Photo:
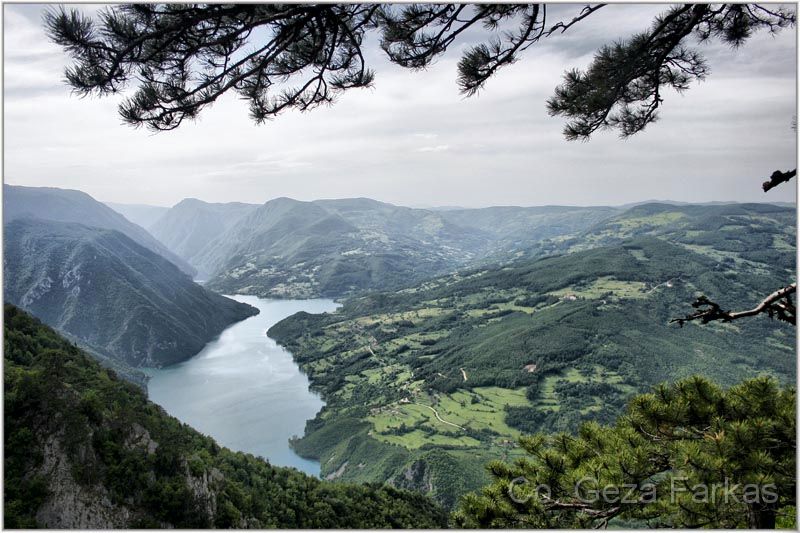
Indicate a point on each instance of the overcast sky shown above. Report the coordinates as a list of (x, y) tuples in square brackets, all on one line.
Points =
[(412, 139)]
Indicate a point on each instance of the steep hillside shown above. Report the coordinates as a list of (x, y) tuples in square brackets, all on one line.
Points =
[(427, 384), (140, 214), (288, 248), (336, 247), (110, 293), (749, 234), (190, 225), (66, 205), (85, 450), (514, 229)]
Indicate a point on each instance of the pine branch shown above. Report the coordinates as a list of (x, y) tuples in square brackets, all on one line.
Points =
[(181, 58)]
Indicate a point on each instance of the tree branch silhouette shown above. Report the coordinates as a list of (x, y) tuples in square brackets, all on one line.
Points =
[(777, 178), (778, 305), (181, 58)]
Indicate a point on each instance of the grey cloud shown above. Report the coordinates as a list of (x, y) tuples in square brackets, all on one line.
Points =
[(413, 139)]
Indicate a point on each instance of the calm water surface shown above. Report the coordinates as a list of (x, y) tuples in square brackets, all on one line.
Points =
[(243, 389)]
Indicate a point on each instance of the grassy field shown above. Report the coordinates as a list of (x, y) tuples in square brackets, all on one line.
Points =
[(605, 285)]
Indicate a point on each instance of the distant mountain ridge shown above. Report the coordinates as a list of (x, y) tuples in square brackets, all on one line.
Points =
[(718, 202), (141, 214), (68, 205), (513, 228), (110, 293), (188, 226), (290, 248)]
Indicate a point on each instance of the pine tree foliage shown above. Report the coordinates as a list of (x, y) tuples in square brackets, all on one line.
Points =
[(416, 34), (685, 455), (623, 87), (182, 57)]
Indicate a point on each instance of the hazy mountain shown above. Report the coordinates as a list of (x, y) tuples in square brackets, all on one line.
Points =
[(84, 450), (445, 208), (405, 225), (66, 205), (748, 232), (143, 215), (288, 248), (191, 224), (754, 231), (110, 293), (513, 228), (676, 203)]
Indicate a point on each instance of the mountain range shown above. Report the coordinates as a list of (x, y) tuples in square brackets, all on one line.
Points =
[(751, 233), (462, 329), (113, 295), (288, 248), (67, 205)]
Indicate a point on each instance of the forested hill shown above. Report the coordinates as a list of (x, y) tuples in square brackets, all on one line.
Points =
[(86, 450), (429, 383), (515, 229), (188, 226), (66, 205), (111, 294), (288, 248), (732, 233)]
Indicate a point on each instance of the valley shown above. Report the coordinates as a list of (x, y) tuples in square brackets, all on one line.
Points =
[(425, 385), (406, 265), (86, 450), (332, 248), (455, 333)]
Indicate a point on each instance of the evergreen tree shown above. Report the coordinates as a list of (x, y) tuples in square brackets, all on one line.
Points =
[(686, 455)]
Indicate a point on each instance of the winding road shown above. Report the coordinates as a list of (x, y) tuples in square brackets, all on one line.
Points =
[(439, 418)]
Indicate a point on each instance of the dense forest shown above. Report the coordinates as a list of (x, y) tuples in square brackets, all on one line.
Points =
[(427, 384), (687, 454), (84, 449)]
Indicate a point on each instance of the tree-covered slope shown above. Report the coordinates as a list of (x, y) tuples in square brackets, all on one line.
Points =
[(687, 455), (428, 383), (288, 248), (66, 205), (110, 293), (188, 226), (339, 247), (85, 450), (749, 234), (515, 229)]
